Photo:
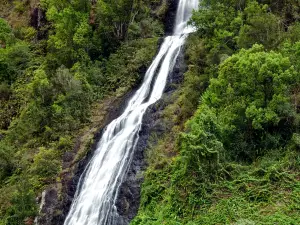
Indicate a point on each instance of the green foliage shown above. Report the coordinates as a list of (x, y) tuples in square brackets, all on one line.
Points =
[(51, 76), (124, 67), (218, 25), (46, 164), (239, 152), (71, 101), (6, 111), (264, 192), (72, 38), (251, 103), (124, 20), (6, 36), (13, 61), (28, 124), (22, 206), (287, 9), (195, 79), (115, 16), (19, 6), (261, 27), (146, 28), (252, 96), (6, 162)]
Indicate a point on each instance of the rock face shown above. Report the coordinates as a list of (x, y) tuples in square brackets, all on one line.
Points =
[(48, 206), (56, 200), (128, 200), (169, 19), (38, 21)]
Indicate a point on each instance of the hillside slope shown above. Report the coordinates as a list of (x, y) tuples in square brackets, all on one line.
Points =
[(231, 154), (65, 67)]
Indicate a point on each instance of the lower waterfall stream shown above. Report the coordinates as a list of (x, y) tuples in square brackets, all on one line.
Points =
[(95, 198)]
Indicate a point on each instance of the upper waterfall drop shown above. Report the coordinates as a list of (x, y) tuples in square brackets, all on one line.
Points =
[(94, 201)]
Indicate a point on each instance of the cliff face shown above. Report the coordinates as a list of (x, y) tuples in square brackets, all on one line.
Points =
[(129, 193), (56, 200), (38, 21)]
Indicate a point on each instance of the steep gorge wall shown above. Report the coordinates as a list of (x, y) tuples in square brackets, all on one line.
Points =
[(129, 193), (56, 200)]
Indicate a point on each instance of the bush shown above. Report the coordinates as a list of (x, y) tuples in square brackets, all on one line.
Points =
[(46, 164), (6, 160), (260, 27)]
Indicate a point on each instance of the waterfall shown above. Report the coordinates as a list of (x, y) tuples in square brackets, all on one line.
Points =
[(96, 194)]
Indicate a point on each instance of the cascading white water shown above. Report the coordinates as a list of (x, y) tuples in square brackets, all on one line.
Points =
[(94, 201)]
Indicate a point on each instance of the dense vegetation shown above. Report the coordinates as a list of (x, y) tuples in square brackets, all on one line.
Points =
[(235, 155), (58, 59), (230, 153)]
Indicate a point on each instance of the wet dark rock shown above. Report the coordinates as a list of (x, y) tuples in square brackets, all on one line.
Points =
[(56, 212), (68, 156), (169, 19), (128, 200), (48, 205), (39, 22)]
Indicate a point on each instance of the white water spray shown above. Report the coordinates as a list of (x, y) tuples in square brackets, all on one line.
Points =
[(94, 201)]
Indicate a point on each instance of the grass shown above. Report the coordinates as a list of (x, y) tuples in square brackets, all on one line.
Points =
[(265, 192)]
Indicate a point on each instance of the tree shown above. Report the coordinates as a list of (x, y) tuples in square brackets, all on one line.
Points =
[(13, 61), (261, 27), (115, 16), (251, 100), (6, 160), (46, 165), (71, 40), (218, 25), (23, 205), (6, 36)]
